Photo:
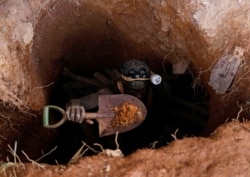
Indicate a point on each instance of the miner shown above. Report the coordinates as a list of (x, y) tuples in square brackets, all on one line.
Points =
[(133, 78)]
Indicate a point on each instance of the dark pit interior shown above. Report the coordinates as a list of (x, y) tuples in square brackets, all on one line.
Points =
[(178, 110), (85, 39)]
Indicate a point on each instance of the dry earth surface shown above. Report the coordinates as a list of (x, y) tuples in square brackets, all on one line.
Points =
[(225, 154)]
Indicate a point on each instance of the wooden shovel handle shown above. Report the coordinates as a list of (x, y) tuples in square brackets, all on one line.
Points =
[(93, 115)]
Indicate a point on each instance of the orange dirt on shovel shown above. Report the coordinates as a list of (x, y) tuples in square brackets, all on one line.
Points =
[(116, 113)]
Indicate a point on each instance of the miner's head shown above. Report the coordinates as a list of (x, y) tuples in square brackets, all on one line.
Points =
[(135, 77)]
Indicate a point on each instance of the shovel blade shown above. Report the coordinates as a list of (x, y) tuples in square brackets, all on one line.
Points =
[(109, 104)]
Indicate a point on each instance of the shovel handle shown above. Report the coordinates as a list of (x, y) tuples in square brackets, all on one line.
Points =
[(88, 115), (93, 115)]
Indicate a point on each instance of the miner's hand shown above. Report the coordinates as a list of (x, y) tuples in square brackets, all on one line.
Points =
[(77, 113)]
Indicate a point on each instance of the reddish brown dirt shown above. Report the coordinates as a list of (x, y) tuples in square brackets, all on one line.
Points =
[(222, 154), (171, 31)]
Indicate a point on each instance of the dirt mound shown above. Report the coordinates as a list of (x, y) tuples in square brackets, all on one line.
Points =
[(223, 154)]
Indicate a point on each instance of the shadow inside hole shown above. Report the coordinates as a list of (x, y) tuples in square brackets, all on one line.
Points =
[(178, 110)]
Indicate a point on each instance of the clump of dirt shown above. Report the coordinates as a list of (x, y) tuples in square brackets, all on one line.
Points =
[(126, 114)]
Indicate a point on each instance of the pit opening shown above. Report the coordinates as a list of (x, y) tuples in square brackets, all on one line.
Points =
[(86, 39)]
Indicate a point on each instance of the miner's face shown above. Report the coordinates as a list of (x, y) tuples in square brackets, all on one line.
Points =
[(137, 88)]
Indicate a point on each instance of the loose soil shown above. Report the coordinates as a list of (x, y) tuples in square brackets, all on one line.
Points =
[(223, 154)]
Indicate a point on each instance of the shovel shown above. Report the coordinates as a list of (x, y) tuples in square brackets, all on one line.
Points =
[(116, 113)]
